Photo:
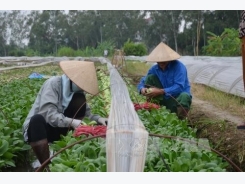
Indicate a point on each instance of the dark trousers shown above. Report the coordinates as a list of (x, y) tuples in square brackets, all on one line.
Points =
[(39, 129), (171, 103)]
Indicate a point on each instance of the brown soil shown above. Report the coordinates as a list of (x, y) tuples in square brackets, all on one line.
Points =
[(219, 127)]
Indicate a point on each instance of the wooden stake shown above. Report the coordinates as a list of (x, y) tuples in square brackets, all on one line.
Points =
[(243, 60)]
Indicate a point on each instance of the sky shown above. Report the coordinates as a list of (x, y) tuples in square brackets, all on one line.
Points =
[(120, 5)]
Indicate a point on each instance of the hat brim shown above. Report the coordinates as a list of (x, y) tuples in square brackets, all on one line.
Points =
[(162, 53), (82, 73)]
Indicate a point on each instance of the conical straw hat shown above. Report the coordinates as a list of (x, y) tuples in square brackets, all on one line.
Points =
[(162, 53), (83, 74)]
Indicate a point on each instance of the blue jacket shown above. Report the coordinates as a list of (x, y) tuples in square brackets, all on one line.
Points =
[(174, 78)]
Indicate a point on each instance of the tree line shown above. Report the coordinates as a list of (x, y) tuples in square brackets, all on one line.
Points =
[(189, 32)]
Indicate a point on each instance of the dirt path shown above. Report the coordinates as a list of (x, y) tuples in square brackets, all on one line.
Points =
[(216, 114), (219, 127)]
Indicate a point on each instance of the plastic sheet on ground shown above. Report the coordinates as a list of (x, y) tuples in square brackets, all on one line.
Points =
[(36, 75)]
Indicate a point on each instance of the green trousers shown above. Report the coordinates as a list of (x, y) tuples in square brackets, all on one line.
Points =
[(171, 103)]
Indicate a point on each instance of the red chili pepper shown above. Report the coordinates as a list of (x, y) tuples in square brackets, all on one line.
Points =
[(89, 130), (146, 105)]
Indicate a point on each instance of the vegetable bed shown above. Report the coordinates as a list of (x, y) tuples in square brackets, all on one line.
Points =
[(178, 150)]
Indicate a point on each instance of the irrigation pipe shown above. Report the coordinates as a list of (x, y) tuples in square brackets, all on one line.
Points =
[(162, 157), (217, 152), (44, 164), (26, 66), (150, 134)]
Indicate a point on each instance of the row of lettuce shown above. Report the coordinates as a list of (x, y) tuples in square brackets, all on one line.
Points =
[(168, 153)]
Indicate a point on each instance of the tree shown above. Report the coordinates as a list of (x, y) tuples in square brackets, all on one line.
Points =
[(19, 30), (4, 33), (194, 25), (227, 44), (164, 27), (47, 31)]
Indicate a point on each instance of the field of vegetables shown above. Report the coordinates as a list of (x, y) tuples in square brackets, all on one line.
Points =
[(172, 144)]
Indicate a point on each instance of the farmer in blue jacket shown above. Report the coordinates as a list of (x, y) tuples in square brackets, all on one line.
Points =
[(167, 81)]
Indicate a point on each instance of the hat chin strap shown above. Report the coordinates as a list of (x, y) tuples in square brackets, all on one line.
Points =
[(74, 87), (70, 85)]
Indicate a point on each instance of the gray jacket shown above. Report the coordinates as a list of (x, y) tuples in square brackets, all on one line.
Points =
[(48, 103)]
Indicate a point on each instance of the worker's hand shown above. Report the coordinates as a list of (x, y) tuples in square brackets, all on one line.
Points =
[(103, 121), (143, 91), (154, 92)]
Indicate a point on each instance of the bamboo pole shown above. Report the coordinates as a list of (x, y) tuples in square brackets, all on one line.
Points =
[(242, 36), (243, 60)]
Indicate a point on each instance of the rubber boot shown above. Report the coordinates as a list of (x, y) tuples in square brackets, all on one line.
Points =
[(182, 112), (41, 150)]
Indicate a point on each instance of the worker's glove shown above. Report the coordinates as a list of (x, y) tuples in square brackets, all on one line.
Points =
[(77, 123), (102, 121)]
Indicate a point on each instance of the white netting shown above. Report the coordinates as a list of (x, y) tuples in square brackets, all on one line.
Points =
[(126, 137)]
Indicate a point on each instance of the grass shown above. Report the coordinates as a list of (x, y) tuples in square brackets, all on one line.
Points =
[(228, 102), (137, 68)]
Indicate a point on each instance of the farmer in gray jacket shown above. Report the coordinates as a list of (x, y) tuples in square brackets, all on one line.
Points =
[(60, 106)]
